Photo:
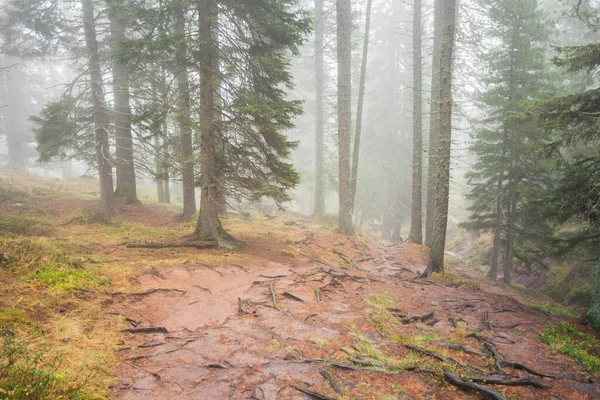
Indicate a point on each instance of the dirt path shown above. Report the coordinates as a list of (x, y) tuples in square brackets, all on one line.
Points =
[(215, 349)]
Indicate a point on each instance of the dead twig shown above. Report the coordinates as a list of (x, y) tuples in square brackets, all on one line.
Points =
[(292, 297)]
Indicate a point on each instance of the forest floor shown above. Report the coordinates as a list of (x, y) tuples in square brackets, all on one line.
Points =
[(299, 312)]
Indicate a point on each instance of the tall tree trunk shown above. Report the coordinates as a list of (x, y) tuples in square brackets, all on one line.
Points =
[(209, 226), (99, 109), (442, 176), (319, 192), (510, 229), (125, 169), (166, 155), (11, 104), (344, 84), (158, 164), (416, 217), (183, 116), (359, 107), (434, 118), (497, 230)]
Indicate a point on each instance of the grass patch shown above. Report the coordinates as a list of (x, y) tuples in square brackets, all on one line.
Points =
[(95, 215), (583, 347), (24, 226), (459, 280), (12, 317), (327, 222)]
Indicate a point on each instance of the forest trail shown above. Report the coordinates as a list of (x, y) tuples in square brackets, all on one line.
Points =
[(340, 317), (216, 349)]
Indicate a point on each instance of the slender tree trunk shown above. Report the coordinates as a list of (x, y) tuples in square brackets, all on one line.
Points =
[(319, 192), (510, 230), (344, 83), (209, 226), (11, 105), (166, 155), (416, 217), (359, 107), (442, 176), (220, 145), (101, 117), (183, 117), (158, 163), (497, 230), (434, 118), (125, 169)]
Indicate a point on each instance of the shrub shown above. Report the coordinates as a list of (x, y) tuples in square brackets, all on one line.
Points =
[(33, 376)]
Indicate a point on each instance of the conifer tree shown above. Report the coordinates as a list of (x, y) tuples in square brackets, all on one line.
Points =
[(517, 72)]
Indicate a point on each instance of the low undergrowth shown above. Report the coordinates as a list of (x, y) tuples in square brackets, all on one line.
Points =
[(27, 374), (583, 347)]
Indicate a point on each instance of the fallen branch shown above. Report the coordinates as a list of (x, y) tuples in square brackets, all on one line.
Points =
[(340, 255), (456, 381), (248, 307), (132, 321), (152, 329), (274, 297)]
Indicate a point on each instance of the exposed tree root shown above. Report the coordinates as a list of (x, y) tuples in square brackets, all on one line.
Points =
[(168, 245), (517, 365), (327, 376), (522, 381), (420, 318), (313, 394), (152, 329), (456, 381)]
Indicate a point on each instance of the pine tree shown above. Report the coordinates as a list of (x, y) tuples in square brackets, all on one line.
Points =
[(244, 49), (517, 72), (319, 190)]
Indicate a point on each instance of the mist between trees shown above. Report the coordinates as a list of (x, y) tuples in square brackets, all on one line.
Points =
[(394, 116)]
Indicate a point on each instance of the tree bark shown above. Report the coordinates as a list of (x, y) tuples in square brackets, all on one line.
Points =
[(11, 103), (344, 47), (434, 118), (209, 226), (359, 107), (125, 169), (416, 219), (319, 191), (166, 155), (510, 230), (101, 117), (442, 176), (183, 117)]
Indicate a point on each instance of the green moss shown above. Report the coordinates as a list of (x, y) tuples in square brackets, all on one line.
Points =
[(63, 279), (563, 337)]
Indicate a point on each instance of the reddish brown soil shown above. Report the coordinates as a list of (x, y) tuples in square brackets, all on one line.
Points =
[(212, 351)]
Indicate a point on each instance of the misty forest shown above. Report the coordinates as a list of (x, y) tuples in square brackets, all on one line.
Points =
[(294, 199)]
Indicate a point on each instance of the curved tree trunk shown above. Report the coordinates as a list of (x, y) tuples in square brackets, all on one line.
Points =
[(319, 192), (99, 109), (416, 217), (344, 47), (442, 176), (125, 169), (359, 107)]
